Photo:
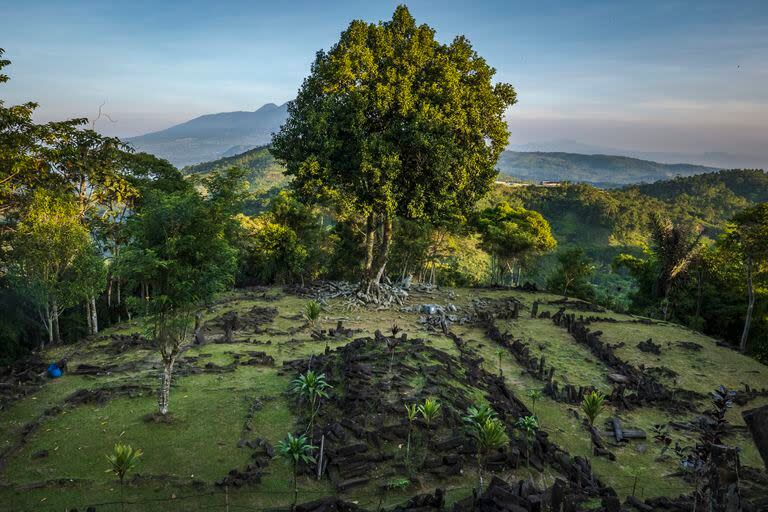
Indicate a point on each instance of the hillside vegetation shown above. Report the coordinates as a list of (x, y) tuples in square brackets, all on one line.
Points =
[(262, 171), (229, 392)]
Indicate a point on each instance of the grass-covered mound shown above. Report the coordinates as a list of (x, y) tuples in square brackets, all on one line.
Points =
[(231, 403)]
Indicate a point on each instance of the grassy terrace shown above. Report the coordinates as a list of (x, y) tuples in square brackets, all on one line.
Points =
[(183, 459)]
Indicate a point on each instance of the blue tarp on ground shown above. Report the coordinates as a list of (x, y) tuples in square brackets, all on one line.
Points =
[(54, 371)]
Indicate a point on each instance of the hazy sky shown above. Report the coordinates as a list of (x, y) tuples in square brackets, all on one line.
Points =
[(687, 76)]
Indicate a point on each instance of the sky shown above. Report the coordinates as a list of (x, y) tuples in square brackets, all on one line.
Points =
[(684, 76)]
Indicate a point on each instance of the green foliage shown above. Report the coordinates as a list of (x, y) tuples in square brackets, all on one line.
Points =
[(285, 243), (296, 449), (260, 167), (592, 406), (312, 387), (535, 395), (178, 248), (572, 275), (411, 411), (312, 312), (123, 460), (429, 410), (368, 133), (512, 234), (478, 415), (490, 435), (53, 261)]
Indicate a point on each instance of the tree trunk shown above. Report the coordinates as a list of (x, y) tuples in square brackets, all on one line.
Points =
[(750, 307), (94, 316), (700, 275), (386, 243), (55, 320), (370, 239), (88, 316), (164, 395)]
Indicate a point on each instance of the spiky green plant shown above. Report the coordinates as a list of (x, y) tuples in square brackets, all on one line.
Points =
[(122, 461), (411, 411), (490, 434), (477, 415), (429, 410), (592, 405), (500, 354), (397, 483), (312, 313), (534, 395), (312, 387), (527, 425), (296, 449)]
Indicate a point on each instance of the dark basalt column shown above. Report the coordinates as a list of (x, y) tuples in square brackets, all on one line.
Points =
[(757, 421)]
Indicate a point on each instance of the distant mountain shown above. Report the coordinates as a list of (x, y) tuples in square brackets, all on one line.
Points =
[(600, 170), (213, 136), (716, 159)]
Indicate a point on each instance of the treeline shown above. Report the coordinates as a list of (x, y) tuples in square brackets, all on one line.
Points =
[(391, 149), (673, 249)]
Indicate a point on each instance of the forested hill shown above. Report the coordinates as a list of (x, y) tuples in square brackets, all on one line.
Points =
[(748, 184), (263, 170), (599, 170)]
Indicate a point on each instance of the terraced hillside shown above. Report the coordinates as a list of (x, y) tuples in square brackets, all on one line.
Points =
[(231, 404)]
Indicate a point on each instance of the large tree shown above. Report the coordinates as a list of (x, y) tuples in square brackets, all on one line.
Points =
[(392, 122)]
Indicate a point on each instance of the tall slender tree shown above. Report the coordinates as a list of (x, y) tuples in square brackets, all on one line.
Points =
[(179, 254), (747, 237)]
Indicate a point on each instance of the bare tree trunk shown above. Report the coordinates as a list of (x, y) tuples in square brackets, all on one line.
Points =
[(750, 307), (55, 318), (386, 243), (88, 316), (48, 327), (370, 239), (700, 275), (94, 316), (164, 395)]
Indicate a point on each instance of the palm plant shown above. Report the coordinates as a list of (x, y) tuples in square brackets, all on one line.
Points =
[(122, 460), (534, 395), (391, 346), (489, 435), (528, 427), (592, 405), (312, 313), (411, 411), (429, 411), (312, 387), (296, 449), (479, 415)]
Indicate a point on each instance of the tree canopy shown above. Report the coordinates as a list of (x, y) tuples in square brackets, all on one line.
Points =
[(392, 122)]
